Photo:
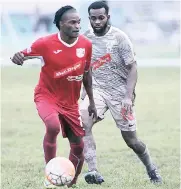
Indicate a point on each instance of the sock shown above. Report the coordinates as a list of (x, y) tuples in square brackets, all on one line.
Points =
[(49, 143), (77, 158), (90, 152), (49, 149), (146, 160)]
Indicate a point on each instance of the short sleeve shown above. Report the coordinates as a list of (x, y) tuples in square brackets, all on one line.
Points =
[(35, 50), (126, 49), (88, 58)]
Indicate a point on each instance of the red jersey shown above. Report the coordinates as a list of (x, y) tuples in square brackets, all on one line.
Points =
[(63, 67)]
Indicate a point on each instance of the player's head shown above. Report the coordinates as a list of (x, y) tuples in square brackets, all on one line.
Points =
[(67, 20), (99, 16)]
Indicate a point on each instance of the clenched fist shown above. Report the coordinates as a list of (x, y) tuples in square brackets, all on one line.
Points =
[(18, 58)]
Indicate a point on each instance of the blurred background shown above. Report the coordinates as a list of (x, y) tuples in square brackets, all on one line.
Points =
[(153, 26)]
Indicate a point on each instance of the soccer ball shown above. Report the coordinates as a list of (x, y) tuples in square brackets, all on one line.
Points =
[(60, 171)]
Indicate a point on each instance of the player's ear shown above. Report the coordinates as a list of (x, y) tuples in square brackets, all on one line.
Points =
[(108, 16)]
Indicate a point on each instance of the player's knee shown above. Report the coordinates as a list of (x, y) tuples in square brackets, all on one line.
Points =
[(133, 144), (88, 130), (87, 125), (80, 147), (77, 148), (52, 125)]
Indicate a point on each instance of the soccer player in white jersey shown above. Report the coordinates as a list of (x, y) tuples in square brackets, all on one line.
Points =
[(114, 72)]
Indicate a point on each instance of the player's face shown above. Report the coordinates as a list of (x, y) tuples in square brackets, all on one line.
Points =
[(70, 24), (98, 20)]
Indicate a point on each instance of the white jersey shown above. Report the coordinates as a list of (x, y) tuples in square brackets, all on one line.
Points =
[(111, 54)]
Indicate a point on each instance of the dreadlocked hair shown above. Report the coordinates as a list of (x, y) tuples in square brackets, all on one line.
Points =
[(59, 14)]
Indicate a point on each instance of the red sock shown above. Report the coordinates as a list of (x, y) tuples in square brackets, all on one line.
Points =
[(49, 149), (52, 129), (77, 158)]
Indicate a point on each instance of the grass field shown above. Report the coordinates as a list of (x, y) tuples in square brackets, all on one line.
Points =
[(157, 107)]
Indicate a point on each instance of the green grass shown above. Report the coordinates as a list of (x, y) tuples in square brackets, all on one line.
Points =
[(157, 107)]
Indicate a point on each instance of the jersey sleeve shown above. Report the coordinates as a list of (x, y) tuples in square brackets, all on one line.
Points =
[(126, 50), (35, 50), (89, 55)]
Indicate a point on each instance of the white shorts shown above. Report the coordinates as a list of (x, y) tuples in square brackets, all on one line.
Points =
[(103, 103)]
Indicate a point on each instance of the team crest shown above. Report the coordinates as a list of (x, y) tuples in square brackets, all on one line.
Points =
[(80, 52)]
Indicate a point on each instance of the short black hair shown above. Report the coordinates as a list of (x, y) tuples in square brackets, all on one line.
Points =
[(59, 14), (99, 5)]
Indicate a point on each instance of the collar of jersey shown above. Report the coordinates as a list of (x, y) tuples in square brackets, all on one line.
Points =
[(66, 44)]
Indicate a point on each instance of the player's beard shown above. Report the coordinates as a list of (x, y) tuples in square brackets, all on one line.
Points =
[(102, 30)]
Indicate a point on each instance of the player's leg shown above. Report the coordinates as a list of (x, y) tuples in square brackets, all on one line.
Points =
[(50, 117), (141, 150), (74, 132), (128, 131), (51, 120), (89, 143), (76, 155), (52, 124)]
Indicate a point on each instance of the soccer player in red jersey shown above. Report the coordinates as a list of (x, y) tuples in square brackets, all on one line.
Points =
[(66, 58)]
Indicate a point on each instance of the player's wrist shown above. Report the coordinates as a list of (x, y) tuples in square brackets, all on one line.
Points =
[(91, 101)]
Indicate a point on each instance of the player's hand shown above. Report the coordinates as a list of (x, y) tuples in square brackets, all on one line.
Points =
[(18, 58), (92, 110), (126, 108)]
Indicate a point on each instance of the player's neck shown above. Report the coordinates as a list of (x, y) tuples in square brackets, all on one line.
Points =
[(67, 39), (104, 32)]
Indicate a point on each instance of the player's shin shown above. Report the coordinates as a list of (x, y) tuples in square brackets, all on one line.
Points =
[(142, 152), (146, 160), (49, 149), (77, 158), (90, 152)]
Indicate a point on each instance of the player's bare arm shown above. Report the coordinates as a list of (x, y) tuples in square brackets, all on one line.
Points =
[(19, 58), (131, 82), (87, 81)]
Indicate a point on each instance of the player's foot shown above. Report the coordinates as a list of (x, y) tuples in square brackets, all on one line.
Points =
[(155, 176), (93, 177), (48, 184), (73, 183)]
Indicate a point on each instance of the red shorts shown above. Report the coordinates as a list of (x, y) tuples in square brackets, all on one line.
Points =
[(69, 117)]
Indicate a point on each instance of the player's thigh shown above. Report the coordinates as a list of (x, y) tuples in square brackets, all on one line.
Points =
[(101, 107), (122, 124), (49, 115), (45, 108)]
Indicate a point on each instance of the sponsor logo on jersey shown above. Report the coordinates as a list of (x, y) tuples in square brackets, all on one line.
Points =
[(80, 52), (75, 78), (101, 61), (68, 70)]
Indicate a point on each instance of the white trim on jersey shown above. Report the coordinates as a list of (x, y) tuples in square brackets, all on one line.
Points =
[(38, 57), (42, 61), (66, 44)]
